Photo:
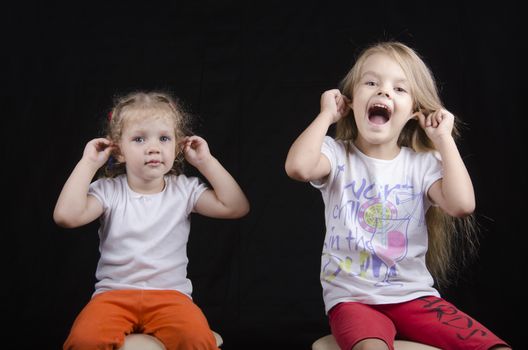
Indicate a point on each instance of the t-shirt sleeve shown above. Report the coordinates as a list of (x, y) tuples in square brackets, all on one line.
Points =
[(433, 171), (329, 150), (196, 187), (100, 190)]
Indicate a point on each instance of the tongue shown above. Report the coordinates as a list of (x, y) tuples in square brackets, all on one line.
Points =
[(378, 119)]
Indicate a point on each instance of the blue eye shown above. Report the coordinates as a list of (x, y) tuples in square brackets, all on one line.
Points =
[(164, 138), (370, 83), (138, 139)]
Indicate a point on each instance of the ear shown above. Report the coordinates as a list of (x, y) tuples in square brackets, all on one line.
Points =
[(348, 101), (116, 152), (416, 114)]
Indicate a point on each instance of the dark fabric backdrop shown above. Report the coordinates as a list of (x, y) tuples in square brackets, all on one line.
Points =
[(252, 74)]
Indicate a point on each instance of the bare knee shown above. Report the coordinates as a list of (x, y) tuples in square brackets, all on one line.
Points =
[(371, 344)]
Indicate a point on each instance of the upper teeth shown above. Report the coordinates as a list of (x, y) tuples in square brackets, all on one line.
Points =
[(380, 105)]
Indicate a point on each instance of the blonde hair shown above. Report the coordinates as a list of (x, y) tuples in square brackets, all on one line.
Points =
[(141, 105), (452, 241)]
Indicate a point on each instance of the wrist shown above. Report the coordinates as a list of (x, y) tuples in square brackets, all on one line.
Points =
[(205, 163), (89, 165), (326, 116), (443, 141)]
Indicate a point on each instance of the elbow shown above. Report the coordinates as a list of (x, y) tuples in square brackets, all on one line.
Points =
[(462, 212), (63, 220), (239, 212), (244, 211), (58, 218), (297, 173), (463, 209)]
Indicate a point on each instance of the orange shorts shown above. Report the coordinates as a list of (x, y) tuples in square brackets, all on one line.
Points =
[(168, 315)]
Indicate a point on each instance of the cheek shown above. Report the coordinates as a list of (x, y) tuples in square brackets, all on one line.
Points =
[(358, 109), (171, 151), (359, 101), (126, 153), (407, 102)]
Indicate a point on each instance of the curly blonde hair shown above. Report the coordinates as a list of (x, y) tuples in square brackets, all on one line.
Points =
[(140, 105), (452, 241)]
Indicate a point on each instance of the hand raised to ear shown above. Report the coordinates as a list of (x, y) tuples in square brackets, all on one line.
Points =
[(335, 103), (195, 149), (98, 150), (436, 124)]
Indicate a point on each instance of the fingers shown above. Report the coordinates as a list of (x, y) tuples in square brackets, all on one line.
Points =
[(341, 99), (98, 150), (433, 119), (111, 147), (422, 119), (436, 118), (338, 96), (333, 92), (187, 141), (347, 101), (192, 142), (342, 103), (102, 144)]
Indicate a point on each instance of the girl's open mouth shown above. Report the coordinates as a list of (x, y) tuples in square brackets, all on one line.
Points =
[(379, 114)]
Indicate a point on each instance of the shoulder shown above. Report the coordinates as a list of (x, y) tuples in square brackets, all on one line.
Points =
[(180, 180), (109, 189), (329, 140), (423, 163), (182, 183), (333, 145), (110, 183), (186, 188)]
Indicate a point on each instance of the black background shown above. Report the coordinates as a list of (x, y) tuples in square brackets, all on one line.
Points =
[(252, 74)]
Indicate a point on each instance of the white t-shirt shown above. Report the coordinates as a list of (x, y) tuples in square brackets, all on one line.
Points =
[(143, 237), (376, 234)]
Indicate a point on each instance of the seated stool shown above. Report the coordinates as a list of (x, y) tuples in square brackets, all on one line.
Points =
[(328, 343), (147, 342)]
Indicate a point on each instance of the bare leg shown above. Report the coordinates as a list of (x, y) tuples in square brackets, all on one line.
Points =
[(142, 342), (328, 343), (371, 344), (148, 342), (409, 345)]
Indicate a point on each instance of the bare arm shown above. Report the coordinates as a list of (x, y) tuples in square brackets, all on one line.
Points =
[(225, 199), (305, 162), (454, 192), (75, 207)]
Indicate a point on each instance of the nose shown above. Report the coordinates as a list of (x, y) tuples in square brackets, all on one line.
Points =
[(153, 148), (383, 93)]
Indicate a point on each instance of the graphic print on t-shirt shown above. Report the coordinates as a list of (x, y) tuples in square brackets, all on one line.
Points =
[(369, 230)]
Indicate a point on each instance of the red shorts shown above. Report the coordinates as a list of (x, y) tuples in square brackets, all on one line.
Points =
[(428, 320), (168, 315)]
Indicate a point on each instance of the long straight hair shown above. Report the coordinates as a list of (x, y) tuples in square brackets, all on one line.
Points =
[(452, 241)]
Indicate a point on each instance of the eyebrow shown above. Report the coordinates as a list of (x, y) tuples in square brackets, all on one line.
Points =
[(147, 129), (402, 80)]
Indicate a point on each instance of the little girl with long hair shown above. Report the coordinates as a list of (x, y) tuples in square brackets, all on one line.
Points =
[(394, 187)]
